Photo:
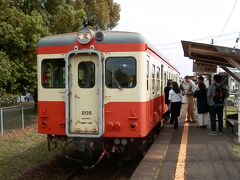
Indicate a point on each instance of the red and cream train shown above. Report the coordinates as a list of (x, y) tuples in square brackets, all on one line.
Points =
[(103, 90)]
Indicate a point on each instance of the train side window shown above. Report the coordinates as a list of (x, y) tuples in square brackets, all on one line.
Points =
[(165, 78), (147, 69), (158, 79), (53, 73), (86, 74), (162, 81), (147, 74), (153, 79), (120, 72)]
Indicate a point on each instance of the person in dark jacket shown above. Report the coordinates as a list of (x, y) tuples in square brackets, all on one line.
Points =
[(202, 104), (167, 102)]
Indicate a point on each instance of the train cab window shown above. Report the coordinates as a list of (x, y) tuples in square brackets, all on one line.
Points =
[(53, 73), (86, 74), (120, 72)]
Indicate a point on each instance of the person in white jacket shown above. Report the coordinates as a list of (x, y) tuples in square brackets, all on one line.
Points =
[(175, 98)]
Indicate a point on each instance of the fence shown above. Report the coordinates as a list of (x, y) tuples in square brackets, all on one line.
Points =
[(16, 117), (232, 113)]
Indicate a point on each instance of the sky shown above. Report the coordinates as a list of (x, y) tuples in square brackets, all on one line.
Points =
[(166, 22)]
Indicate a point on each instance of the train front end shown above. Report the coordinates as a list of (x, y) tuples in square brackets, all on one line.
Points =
[(89, 93)]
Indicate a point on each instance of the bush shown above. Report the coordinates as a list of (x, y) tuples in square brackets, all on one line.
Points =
[(7, 99)]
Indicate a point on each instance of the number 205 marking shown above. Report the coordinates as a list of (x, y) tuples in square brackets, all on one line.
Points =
[(86, 112)]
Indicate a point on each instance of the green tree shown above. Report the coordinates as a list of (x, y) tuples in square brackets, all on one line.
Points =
[(19, 34), (52, 5), (100, 14), (6, 79), (24, 22), (67, 19)]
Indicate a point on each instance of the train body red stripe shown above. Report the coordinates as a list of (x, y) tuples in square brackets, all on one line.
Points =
[(99, 47), (122, 119)]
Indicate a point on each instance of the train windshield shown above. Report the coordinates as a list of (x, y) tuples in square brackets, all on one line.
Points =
[(53, 73), (120, 72)]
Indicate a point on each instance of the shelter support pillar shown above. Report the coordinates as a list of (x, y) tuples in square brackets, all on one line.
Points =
[(238, 117), (233, 62), (231, 73)]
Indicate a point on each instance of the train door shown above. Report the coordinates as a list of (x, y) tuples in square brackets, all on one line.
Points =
[(153, 90), (148, 92), (85, 96)]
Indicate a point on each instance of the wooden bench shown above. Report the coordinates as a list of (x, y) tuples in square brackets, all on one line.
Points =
[(233, 124)]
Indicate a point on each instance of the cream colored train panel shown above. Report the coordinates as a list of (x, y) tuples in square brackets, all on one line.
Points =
[(47, 90), (125, 94)]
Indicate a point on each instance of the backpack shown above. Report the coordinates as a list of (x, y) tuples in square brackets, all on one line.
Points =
[(219, 95)]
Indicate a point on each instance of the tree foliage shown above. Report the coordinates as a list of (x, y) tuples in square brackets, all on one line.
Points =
[(100, 14), (24, 22), (67, 19), (6, 79)]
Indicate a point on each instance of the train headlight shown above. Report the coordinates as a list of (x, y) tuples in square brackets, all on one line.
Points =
[(85, 36), (80, 36), (88, 35)]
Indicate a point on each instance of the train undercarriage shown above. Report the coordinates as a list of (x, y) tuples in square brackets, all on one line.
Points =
[(90, 151)]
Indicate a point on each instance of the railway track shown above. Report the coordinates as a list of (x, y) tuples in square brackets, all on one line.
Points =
[(65, 169)]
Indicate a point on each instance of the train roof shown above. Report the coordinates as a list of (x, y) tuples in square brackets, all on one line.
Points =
[(110, 38)]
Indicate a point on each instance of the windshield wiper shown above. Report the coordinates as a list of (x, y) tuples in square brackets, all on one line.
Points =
[(115, 81)]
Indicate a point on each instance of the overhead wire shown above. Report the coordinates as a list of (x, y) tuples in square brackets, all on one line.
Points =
[(217, 40), (178, 45), (227, 20), (203, 38)]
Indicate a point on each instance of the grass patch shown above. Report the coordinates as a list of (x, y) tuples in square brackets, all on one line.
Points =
[(22, 150)]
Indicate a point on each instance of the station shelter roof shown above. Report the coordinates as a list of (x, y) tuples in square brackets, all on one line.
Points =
[(210, 54)]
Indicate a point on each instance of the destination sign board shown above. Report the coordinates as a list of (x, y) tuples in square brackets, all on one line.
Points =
[(204, 68)]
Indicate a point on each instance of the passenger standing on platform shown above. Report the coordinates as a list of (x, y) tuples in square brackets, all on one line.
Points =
[(167, 102), (217, 95), (190, 88), (182, 87), (200, 79), (202, 104), (175, 98)]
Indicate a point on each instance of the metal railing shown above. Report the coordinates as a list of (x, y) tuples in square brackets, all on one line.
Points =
[(16, 117)]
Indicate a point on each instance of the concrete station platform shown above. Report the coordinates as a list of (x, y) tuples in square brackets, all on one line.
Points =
[(190, 153)]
